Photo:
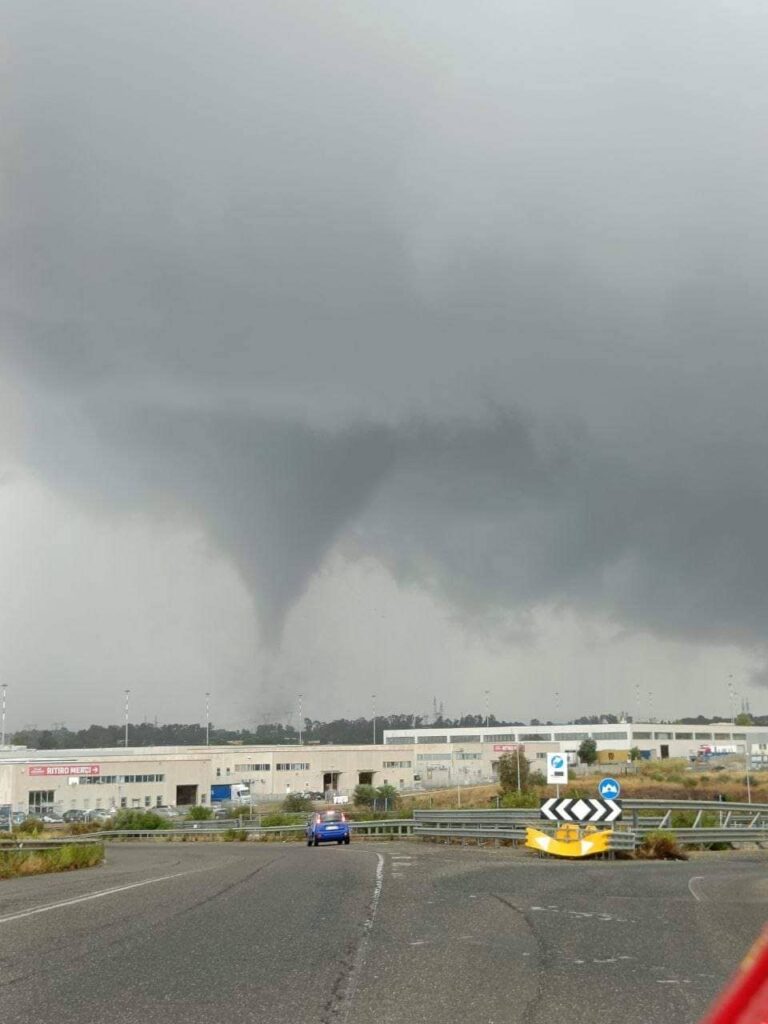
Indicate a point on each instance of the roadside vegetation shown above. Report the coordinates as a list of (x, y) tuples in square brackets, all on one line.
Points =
[(16, 863)]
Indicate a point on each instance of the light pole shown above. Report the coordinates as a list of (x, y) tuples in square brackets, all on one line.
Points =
[(207, 718), (2, 728), (557, 706), (373, 698), (127, 692), (517, 751), (487, 715), (732, 699), (301, 716)]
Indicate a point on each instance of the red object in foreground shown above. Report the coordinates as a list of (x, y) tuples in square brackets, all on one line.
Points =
[(745, 1000)]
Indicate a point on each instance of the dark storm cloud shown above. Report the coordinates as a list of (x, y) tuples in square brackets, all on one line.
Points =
[(484, 288)]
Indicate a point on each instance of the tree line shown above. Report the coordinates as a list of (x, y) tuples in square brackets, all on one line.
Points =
[(353, 731)]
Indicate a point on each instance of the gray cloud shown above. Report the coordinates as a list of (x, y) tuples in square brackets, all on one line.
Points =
[(480, 290)]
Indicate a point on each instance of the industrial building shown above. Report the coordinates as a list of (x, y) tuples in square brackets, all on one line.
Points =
[(54, 781)]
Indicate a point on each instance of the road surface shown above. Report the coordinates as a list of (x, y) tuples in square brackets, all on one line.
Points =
[(387, 932)]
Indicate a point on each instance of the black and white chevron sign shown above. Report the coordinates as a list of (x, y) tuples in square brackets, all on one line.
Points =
[(581, 810)]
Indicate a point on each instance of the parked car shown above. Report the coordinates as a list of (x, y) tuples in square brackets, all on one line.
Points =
[(328, 827), (72, 816), (97, 814), (50, 819), (168, 811)]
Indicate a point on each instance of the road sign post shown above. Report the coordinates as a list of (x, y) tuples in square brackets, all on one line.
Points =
[(557, 770)]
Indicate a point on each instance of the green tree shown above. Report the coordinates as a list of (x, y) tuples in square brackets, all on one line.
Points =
[(588, 752), (744, 718), (387, 795), (364, 795), (514, 773), (634, 754)]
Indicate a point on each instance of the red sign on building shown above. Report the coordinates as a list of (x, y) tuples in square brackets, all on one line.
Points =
[(64, 769), (507, 748)]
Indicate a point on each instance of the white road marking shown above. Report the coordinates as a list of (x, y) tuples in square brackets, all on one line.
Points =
[(94, 896), (362, 948), (699, 897)]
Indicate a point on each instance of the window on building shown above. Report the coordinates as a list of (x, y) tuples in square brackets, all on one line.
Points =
[(41, 801), (703, 735), (147, 801), (664, 736), (466, 739), (739, 735), (683, 735), (610, 735), (500, 737), (582, 735), (158, 801), (291, 767), (536, 736), (218, 773), (433, 757), (252, 768), (722, 735), (123, 801), (468, 757), (396, 764), (642, 735)]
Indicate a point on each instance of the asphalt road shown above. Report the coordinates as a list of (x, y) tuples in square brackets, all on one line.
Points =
[(392, 933)]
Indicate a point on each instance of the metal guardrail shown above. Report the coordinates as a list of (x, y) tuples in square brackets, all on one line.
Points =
[(740, 823), (383, 827)]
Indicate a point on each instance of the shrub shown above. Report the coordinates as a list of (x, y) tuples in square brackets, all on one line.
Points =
[(527, 798), (199, 813), (82, 828), (537, 779), (297, 802), (235, 835), (275, 820), (659, 845), (132, 819), (30, 826)]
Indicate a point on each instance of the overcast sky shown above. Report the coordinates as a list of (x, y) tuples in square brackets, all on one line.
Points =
[(408, 349)]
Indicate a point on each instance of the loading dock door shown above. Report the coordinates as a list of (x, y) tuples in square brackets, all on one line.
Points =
[(186, 796), (365, 778)]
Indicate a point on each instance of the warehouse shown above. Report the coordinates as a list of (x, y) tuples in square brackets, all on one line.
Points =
[(54, 781), (657, 740), (46, 781)]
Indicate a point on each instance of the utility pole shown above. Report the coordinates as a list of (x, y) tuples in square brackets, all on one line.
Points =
[(487, 707), (301, 716), (373, 698), (127, 692), (2, 727), (207, 718)]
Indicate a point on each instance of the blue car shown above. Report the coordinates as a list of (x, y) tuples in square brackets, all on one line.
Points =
[(328, 827)]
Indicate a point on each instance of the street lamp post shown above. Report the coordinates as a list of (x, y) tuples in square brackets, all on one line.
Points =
[(487, 712), (207, 718), (373, 698), (127, 692), (301, 716), (2, 727)]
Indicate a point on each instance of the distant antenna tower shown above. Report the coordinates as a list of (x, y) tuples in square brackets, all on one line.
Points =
[(434, 709), (442, 709)]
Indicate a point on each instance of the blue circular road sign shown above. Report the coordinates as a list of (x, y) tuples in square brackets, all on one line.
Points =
[(609, 789)]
